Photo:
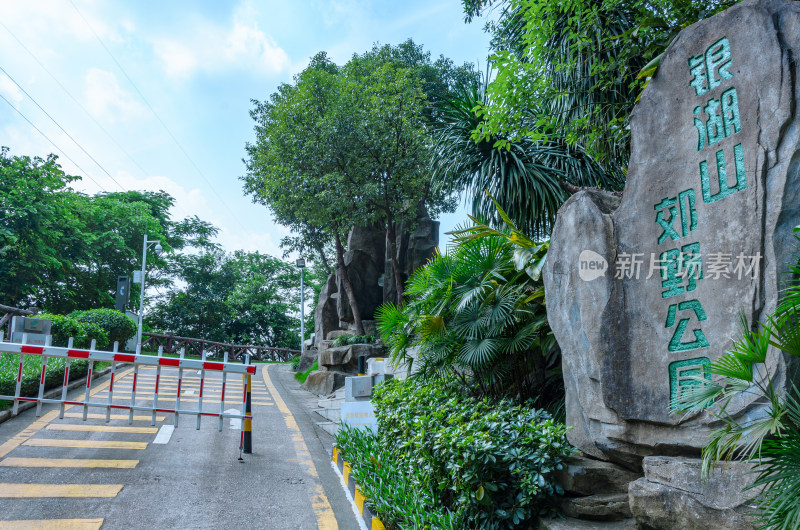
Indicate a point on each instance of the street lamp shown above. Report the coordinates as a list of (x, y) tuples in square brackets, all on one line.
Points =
[(301, 264), (157, 249)]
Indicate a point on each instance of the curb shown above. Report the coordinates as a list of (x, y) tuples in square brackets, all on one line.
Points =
[(370, 520), (56, 392)]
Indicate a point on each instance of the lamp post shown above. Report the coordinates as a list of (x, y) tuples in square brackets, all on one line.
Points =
[(157, 249), (301, 264)]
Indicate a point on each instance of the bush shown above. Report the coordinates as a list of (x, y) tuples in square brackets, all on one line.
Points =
[(117, 325), (346, 340), (295, 362), (62, 328), (485, 462)]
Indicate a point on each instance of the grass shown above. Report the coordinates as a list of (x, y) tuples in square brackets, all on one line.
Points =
[(31, 371), (302, 376)]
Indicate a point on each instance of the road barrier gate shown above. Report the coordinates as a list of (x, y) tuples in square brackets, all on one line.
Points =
[(117, 359)]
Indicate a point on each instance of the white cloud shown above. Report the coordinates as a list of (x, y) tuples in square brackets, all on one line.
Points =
[(107, 100), (214, 48)]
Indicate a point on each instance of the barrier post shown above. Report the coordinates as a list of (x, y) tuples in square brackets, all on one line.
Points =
[(248, 409)]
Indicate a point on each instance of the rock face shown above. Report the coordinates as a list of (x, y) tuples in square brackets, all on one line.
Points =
[(587, 476), (365, 247), (326, 316), (416, 247), (644, 292), (307, 359), (672, 495)]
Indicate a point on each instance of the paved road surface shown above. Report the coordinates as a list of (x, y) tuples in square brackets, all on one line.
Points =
[(115, 475)]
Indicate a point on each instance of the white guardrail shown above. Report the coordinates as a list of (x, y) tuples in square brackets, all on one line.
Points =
[(116, 359)]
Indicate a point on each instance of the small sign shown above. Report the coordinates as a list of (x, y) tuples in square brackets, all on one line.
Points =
[(137, 277), (359, 414)]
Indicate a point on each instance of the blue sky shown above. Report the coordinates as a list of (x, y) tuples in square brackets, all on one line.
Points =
[(197, 64)]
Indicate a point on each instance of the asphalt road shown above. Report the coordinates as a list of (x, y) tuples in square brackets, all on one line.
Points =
[(67, 473)]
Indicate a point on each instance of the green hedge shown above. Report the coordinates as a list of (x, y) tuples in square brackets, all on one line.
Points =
[(117, 325), (444, 460), (64, 327)]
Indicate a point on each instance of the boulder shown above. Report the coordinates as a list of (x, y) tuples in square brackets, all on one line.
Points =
[(415, 248), (324, 382), (326, 317), (644, 292), (364, 261), (600, 507), (672, 495), (587, 476), (307, 359), (576, 524), (345, 358)]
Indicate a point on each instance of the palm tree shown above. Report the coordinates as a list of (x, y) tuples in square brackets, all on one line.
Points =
[(529, 179)]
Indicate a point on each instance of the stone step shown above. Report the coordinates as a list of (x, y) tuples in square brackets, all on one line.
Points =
[(329, 427), (568, 523), (332, 414)]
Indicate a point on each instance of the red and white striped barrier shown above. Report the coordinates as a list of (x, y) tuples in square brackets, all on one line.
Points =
[(115, 358)]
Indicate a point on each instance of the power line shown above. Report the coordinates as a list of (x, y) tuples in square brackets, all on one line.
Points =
[(174, 139), (89, 114), (62, 128), (52, 142)]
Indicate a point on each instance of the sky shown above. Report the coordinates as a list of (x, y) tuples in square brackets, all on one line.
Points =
[(156, 95)]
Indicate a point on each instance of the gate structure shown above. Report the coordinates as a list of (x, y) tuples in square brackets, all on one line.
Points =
[(119, 360)]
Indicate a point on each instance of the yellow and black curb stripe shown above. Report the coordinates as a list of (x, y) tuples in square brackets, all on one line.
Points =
[(370, 520)]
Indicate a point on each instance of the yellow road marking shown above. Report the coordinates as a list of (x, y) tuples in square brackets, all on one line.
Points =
[(101, 428), (53, 524), (93, 416), (31, 429), (67, 462), (326, 520), (84, 444), (17, 491)]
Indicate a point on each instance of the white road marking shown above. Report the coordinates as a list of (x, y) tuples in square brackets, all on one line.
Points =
[(360, 518), (164, 434), (188, 393), (236, 424)]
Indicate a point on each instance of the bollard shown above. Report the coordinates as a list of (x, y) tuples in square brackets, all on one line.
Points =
[(361, 368), (248, 423)]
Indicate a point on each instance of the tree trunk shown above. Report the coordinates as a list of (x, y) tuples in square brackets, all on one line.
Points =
[(348, 288), (322, 257), (391, 235)]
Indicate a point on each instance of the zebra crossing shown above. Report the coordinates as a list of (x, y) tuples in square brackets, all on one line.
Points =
[(48, 459)]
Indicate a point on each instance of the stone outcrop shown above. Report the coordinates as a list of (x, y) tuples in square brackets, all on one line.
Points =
[(326, 315), (644, 292), (307, 359), (324, 382), (415, 248), (365, 248), (587, 476), (672, 495)]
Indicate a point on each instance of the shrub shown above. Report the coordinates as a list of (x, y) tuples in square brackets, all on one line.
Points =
[(117, 325), (346, 340), (295, 362), (486, 462), (62, 328)]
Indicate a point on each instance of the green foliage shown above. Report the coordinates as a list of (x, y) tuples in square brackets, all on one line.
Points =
[(477, 314), (117, 326), (32, 371), (295, 362), (64, 327), (469, 463), (770, 440), (526, 176), (61, 250), (238, 298), (346, 340), (572, 70), (302, 376)]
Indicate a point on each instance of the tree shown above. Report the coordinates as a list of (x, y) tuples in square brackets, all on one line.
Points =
[(290, 167), (239, 298), (573, 70), (63, 250), (530, 179)]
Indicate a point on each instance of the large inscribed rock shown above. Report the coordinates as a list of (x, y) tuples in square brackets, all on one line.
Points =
[(644, 292)]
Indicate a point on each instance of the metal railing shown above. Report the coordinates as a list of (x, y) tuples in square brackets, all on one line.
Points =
[(193, 346)]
